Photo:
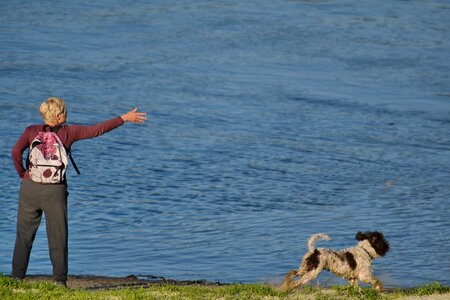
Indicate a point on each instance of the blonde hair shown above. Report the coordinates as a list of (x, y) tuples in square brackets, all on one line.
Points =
[(51, 108)]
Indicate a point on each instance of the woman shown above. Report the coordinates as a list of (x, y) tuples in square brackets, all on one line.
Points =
[(36, 198)]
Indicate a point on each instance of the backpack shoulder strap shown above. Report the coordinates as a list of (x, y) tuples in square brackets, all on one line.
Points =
[(55, 130), (73, 162)]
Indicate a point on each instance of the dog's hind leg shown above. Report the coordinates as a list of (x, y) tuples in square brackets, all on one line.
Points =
[(354, 283), (288, 279), (307, 277)]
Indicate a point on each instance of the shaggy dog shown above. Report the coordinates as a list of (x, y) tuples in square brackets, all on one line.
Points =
[(352, 264)]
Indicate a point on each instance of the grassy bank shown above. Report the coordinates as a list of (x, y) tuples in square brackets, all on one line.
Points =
[(12, 289)]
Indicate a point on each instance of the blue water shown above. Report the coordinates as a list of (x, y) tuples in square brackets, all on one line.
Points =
[(269, 121)]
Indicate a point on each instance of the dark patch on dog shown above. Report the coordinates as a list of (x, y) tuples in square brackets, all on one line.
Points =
[(312, 261), (339, 255), (376, 240), (350, 260)]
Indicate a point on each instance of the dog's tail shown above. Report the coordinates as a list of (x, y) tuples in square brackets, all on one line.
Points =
[(316, 237)]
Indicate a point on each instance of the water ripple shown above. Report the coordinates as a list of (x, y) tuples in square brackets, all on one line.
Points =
[(268, 122)]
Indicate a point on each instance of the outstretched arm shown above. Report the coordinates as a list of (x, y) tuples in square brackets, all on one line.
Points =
[(134, 116), (78, 132)]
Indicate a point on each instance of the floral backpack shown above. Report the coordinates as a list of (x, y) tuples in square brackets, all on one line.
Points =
[(47, 158)]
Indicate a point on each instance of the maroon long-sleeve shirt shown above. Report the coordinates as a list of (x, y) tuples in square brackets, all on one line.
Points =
[(68, 134)]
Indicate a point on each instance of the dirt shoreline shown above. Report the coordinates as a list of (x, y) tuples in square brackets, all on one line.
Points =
[(92, 282)]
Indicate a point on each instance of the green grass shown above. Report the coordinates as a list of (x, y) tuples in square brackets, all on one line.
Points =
[(427, 289), (12, 289)]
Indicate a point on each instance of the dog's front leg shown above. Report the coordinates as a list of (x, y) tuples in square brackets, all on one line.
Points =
[(375, 282)]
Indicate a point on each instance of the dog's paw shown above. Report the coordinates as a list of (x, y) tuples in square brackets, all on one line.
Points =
[(378, 286)]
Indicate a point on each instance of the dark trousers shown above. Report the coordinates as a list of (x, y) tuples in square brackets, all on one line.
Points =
[(35, 199)]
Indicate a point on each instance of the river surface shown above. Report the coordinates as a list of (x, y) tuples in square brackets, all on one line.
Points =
[(268, 121)]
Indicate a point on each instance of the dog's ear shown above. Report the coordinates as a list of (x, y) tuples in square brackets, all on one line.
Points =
[(359, 236), (379, 243)]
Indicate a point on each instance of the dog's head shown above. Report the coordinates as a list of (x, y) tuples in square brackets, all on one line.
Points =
[(376, 240)]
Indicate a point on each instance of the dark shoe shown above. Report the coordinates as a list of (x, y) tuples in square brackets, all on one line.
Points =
[(61, 283)]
